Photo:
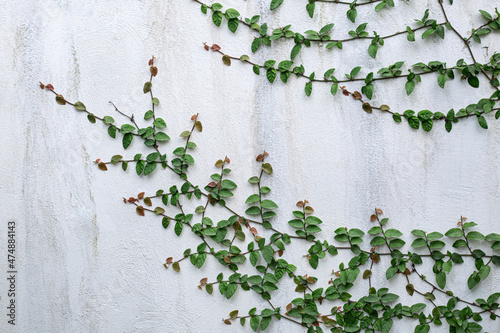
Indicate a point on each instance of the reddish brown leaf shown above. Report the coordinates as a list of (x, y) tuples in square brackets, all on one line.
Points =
[(253, 231), (289, 307), (132, 199), (356, 95), (260, 158), (345, 92), (206, 47), (280, 253), (140, 210), (375, 258), (407, 271), (219, 184), (203, 282), (315, 323), (194, 116), (311, 280), (378, 211), (300, 204), (227, 259), (215, 47), (169, 260), (236, 226), (140, 195), (153, 70), (367, 108), (102, 166), (42, 85), (373, 218), (150, 62), (266, 153), (49, 87), (227, 160), (212, 184)]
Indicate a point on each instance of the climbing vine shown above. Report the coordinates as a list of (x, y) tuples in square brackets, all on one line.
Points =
[(468, 70), (252, 236), (252, 239)]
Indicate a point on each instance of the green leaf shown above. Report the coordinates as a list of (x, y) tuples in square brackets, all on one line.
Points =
[(271, 74), (482, 122), (160, 123), (454, 233), (252, 198), (127, 140), (377, 241), (393, 233), (428, 32), (326, 28), (435, 235), (486, 15), (228, 184), (484, 271), (80, 106), (310, 9), (267, 168), (380, 6), (308, 88), (372, 50), (231, 289), (475, 235), (217, 17), (397, 117), (116, 159), (423, 328), (275, 4), (395, 243), (161, 136), (441, 279), (232, 13), (311, 229), (473, 280), (254, 320), (178, 228), (268, 204), (149, 168), (253, 211), (108, 120), (295, 51), (473, 81), (255, 46), (268, 253), (409, 86), (419, 242)]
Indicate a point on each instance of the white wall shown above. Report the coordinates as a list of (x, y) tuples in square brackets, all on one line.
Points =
[(87, 263)]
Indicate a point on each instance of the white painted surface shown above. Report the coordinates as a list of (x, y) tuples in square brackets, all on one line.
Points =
[(88, 263)]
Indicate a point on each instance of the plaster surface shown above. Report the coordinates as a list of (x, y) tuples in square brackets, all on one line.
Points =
[(88, 263)]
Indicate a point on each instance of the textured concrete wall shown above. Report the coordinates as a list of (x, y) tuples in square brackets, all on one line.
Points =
[(88, 263)]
